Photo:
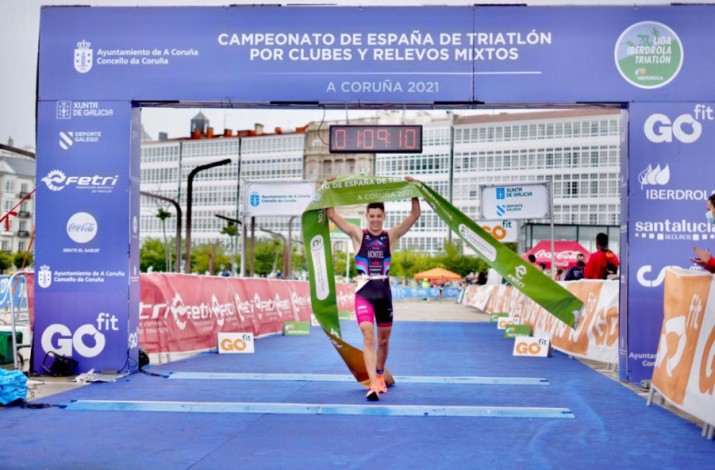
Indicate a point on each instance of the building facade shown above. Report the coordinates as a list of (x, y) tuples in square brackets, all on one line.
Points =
[(217, 191), (17, 183), (577, 151)]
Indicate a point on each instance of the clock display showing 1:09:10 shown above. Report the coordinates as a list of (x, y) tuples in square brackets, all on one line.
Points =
[(375, 139)]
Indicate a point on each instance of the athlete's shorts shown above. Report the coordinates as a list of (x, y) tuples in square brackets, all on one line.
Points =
[(379, 310)]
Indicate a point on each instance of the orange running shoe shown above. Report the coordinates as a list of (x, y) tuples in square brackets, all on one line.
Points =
[(381, 385), (372, 394)]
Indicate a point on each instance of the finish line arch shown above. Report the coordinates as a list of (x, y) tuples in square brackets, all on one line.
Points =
[(97, 66)]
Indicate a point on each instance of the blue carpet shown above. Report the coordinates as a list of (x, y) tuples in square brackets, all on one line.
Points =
[(611, 428)]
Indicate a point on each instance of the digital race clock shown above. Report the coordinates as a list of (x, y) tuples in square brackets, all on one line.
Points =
[(375, 139)]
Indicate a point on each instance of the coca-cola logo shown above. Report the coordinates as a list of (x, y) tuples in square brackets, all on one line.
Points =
[(560, 255), (82, 227)]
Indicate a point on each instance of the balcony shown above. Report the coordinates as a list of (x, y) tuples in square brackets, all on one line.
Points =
[(23, 233), (22, 194), (23, 214)]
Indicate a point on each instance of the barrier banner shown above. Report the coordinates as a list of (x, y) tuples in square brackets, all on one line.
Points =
[(596, 335), (684, 370), (184, 313), (351, 190)]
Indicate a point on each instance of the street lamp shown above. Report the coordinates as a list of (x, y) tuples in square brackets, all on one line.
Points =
[(177, 267), (189, 196)]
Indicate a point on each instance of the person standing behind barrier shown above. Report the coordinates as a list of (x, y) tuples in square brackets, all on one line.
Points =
[(603, 263), (575, 273), (703, 257), (373, 298)]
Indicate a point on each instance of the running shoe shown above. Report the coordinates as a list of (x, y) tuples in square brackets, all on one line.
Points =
[(372, 394), (381, 385)]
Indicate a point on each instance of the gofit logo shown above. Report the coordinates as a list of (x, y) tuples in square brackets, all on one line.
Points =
[(235, 343), (501, 231), (532, 347), (686, 128), (87, 341), (658, 128), (56, 180)]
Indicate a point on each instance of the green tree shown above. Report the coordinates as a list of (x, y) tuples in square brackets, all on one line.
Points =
[(268, 253), (209, 258), (6, 259), (162, 215), (152, 254), (22, 259), (231, 229)]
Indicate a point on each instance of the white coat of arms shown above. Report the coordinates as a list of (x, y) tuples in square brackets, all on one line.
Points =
[(83, 57), (44, 277)]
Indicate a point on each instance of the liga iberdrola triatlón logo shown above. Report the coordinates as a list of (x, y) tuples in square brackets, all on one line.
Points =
[(649, 54)]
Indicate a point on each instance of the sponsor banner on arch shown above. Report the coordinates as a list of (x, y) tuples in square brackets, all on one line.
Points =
[(684, 371), (670, 145), (85, 273), (388, 54)]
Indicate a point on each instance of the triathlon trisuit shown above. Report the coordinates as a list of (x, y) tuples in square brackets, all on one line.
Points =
[(373, 301)]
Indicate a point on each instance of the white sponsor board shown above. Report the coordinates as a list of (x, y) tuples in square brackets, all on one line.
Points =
[(277, 198), (531, 346), (517, 201), (235, 343)]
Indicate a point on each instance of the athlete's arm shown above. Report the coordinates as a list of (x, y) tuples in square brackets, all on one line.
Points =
[(403, 227), (351, 230)]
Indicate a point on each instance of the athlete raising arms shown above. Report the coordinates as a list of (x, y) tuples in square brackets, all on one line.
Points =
[(373, 298)]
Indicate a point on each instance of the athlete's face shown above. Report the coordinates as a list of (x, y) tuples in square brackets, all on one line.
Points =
[(375, 219)]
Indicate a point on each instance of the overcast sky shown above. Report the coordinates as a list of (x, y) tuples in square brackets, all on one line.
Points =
[(19, 34)]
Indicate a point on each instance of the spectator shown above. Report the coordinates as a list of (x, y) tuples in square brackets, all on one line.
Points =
[(603, 263), (481, 278), (575, 272)]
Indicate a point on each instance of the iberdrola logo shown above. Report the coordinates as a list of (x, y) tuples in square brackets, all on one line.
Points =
[(649, 54)]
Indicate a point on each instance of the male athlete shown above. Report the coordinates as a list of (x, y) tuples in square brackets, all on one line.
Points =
[(373, 298)]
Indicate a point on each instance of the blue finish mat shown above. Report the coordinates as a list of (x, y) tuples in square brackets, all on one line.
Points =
[(608, 425)]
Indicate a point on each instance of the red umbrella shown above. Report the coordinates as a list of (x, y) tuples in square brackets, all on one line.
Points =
[(565, 253)]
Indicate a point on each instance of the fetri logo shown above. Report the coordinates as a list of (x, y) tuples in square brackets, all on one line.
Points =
[(56, 180)]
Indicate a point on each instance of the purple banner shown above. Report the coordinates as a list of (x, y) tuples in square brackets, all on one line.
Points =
[(327, 55), (83, 247), (670, 152)]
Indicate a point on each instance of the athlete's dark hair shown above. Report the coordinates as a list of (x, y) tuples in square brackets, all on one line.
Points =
[(375, 205), (712, 199)]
